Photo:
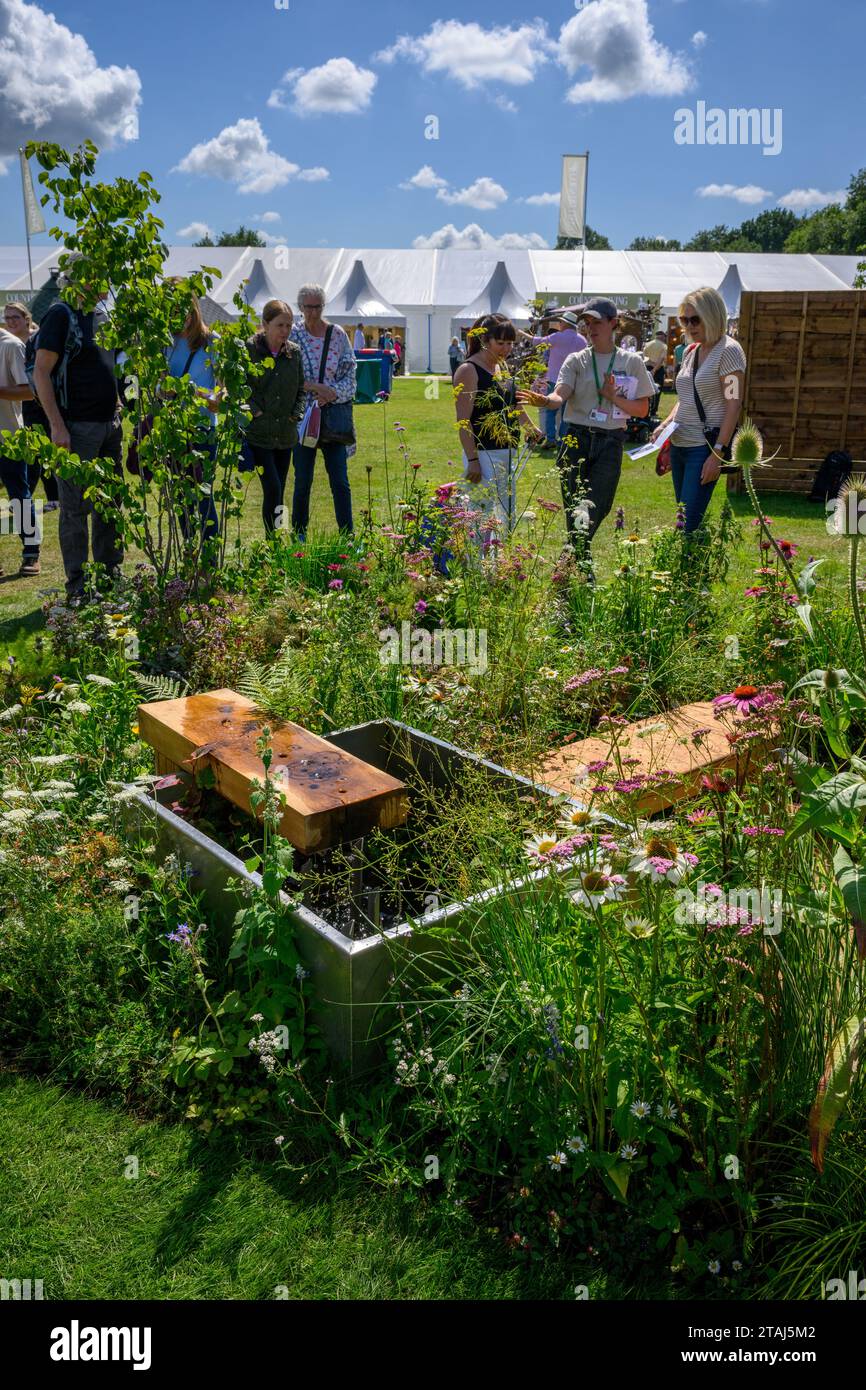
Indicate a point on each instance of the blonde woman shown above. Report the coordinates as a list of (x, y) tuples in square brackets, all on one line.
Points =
[(709, 401)]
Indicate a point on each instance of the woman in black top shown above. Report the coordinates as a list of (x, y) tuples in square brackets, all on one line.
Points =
[(489, 417)]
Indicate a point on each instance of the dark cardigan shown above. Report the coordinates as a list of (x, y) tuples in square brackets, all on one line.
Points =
[(278, 394)]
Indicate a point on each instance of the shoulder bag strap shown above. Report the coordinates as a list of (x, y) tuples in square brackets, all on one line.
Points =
[(325, 347), (698, 402)]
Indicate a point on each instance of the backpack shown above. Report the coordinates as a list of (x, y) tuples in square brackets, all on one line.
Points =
[(834, 471), (73, 345)]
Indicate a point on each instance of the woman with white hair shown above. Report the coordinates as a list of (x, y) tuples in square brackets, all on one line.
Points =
[(329, 380), (709, 401)]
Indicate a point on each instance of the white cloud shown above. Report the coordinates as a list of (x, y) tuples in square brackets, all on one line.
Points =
[(4, 167), (746, 193), (241, 154), (484, 194), (270, 217), (337, 88), (506, 104), (541, 200), (615, 39), (474, 238), (476, 57), (196, 230), (699, 39), (52, 88), (426, 177), (803, 199), (316, 175)]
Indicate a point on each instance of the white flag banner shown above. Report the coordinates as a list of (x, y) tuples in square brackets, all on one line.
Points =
[(572, 202), (32, 211)]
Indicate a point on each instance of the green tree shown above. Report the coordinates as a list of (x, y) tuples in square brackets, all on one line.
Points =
[(654, 243), (118, 241), (594, 242), (244, 236), (770, 229), (721, 238), (826, 233)]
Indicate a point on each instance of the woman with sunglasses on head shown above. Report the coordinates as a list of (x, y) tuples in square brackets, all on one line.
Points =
[(489, 416), (329, 385), (709, 389)]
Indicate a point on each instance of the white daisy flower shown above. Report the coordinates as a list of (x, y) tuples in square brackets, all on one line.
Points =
[(597, 886), (639, 927), (578, 818), (628, 1151), (557, 1161), (736, 1266), (661, 861), (714, 1267), (641, 1109), (667, 1112), (576, 1144), (538, 845)]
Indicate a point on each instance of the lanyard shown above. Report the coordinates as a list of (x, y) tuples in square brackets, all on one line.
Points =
[(606, 374)]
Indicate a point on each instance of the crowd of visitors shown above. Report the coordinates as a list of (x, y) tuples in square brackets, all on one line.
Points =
[(61, 378)]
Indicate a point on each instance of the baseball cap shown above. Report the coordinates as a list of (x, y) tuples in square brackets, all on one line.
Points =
[(598, 309)]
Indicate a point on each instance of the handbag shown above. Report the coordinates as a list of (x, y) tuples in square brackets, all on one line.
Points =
[(663, 460), (337, 425), (711, 432)]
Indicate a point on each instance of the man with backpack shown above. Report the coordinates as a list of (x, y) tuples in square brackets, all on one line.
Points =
[(75, 383)]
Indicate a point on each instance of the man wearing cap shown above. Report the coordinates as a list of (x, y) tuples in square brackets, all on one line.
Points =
[(600, 387), (562, 342)]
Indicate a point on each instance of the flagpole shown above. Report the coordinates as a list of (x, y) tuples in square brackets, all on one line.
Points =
[(26, 218), (583, 247)]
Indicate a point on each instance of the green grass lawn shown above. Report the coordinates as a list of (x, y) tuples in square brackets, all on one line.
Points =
[(432, 440), (204, 1221)]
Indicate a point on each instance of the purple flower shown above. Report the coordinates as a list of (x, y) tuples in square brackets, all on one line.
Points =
[(335, 584), (183, 935), (421, 606)]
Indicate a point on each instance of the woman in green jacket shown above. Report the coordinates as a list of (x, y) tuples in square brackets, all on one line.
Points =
[(276, 403)]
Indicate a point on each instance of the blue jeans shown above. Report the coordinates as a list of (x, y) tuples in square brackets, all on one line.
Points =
[(552, 418), (13, 476), (686, 465), (336, 464)]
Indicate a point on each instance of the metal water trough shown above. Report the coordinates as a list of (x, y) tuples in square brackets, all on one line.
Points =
[(350, 977)]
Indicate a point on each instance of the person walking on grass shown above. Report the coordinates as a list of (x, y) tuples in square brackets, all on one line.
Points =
[(318, 339), (455, 355), (17, 320), (600, 387), (709, 389), (14, 390), (277, 404), (192, 355), (84, 420), (489, 418)]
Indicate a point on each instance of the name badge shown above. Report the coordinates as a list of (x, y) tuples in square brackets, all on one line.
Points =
[(598, 416)]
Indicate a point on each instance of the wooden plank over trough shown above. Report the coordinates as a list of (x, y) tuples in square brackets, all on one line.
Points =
[(665, 741), (328, 795)]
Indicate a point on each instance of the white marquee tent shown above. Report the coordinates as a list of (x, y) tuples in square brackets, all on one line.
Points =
[(429, 295)]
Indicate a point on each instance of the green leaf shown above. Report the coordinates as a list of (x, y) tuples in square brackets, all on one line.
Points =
[(851, 879), (835, 1086)]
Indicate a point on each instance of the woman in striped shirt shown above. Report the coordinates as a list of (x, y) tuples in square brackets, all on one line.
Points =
[(709, 400)]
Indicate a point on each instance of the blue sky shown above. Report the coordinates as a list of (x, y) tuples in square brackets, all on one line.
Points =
[(309, 122)]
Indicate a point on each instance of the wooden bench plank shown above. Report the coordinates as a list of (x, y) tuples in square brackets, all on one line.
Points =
[(328, 795), (669, 745)]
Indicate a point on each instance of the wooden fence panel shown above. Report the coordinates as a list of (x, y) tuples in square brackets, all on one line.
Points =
[(805, 381)]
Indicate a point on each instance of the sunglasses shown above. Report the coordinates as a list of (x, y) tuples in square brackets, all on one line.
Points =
[(689, 320), (317, 305)]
